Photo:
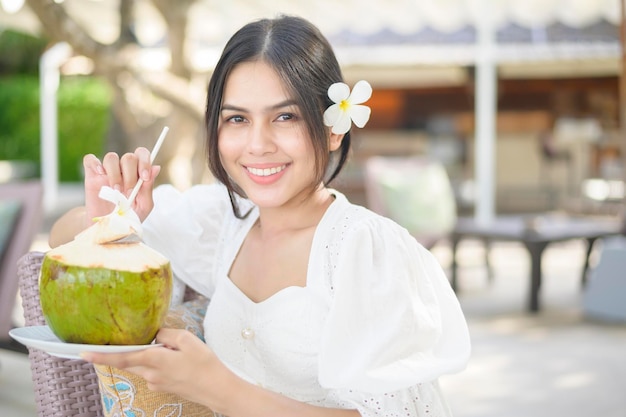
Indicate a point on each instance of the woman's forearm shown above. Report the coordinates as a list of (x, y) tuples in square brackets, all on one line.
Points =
[(249, 400), (68, 226), (263, 403)]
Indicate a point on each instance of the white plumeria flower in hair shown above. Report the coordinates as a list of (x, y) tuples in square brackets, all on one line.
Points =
[(348, 106)]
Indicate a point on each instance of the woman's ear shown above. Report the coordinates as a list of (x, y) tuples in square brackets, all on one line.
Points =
[(335, 141)]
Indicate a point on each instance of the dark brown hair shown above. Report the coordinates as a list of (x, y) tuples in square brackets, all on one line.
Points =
[(304, 60)]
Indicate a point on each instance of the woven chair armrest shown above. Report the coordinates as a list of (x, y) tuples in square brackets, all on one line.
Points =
[(63, 387)]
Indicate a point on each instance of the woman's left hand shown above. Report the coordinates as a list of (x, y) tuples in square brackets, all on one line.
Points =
[(185, 366)]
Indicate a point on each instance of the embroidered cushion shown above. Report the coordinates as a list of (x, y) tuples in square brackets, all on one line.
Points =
[(124, 394)]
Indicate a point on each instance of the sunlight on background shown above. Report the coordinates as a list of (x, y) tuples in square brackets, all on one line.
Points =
[(12, 6)]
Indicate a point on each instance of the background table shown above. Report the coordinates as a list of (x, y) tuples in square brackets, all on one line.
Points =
[(535, 232)]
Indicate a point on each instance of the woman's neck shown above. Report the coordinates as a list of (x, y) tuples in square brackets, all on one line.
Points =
[(301, 213)]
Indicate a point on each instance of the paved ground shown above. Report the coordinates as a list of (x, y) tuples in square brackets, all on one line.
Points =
[(555, 363)]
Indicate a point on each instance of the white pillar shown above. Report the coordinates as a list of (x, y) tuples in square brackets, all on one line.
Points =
[(49, 78), (485, 118)]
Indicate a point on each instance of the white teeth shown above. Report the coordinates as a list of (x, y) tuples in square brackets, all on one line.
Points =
[(265, 172)]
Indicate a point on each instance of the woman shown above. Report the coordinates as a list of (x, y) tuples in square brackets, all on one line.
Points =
[(318, 307)]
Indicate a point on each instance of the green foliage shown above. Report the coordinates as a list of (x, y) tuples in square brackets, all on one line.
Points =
[(83, 115), (20, 52), (19, 118), (83, 123)]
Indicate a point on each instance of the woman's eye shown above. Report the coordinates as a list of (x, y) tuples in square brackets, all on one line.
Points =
[(235, 119), (286, 116)]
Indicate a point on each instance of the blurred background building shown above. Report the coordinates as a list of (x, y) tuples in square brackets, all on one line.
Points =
[(556, 82)]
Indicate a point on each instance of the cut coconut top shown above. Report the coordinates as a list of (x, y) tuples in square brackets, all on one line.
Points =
[(131, 257), (112, 242)]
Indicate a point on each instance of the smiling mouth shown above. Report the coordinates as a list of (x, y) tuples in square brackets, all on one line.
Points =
[(265, 172)]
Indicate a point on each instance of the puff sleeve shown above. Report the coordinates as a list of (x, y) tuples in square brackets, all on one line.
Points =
[(184, 227), (394, 321)]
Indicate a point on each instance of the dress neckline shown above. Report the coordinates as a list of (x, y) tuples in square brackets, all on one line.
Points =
[(250, 221)]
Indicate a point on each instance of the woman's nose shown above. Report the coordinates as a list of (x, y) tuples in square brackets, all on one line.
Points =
[(260, 139)]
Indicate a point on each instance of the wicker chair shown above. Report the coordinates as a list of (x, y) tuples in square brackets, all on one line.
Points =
[(63, 387)]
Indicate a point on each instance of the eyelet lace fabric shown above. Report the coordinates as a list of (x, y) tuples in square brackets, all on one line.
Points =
[(423, 400)]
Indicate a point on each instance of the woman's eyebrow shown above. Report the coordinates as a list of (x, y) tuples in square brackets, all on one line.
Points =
[(230, 107), (285, 103)]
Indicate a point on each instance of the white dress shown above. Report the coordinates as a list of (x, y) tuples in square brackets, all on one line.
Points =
[(375, 326)]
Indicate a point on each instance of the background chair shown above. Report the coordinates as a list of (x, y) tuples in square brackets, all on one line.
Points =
[(605, 292), (23, 223), (414, 191)]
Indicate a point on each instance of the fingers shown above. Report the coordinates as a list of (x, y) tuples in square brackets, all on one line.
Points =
[(126, 360), (128, 167), (111, 165), (92, 165), (168, 337), (122, 172), (116, 360), (178, 339), (144, 166)]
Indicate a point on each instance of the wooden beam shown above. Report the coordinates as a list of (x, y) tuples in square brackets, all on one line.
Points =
[(622, 101)]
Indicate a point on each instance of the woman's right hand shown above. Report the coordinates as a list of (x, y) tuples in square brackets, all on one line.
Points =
[(119, 173)]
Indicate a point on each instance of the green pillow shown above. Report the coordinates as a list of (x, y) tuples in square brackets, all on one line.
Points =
[(419, 198)]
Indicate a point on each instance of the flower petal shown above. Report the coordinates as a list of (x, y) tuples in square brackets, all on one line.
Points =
[(117, 226), (347, 107), (338, 92), (122, 222), (109, 194), (361, 92), (343, 123), (360, 114), (133, 220), (332, 114)]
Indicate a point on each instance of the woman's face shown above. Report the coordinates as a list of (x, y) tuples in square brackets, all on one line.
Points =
[(262, 137)]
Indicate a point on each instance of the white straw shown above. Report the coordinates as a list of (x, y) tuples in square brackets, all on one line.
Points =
[(153, 155)]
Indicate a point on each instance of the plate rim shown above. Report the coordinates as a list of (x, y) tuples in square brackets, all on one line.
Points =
[(56, 347)]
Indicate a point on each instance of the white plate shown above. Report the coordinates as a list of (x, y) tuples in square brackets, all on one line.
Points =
[(42, 338)]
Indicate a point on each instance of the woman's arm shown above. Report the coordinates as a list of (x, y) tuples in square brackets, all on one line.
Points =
[(255, 401), (187, 367), (67, 226)]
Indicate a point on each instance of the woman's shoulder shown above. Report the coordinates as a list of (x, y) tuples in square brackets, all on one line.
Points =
[(351, 231), (348, 217)]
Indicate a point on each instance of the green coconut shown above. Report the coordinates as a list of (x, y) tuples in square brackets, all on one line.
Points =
[(113, 293)]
